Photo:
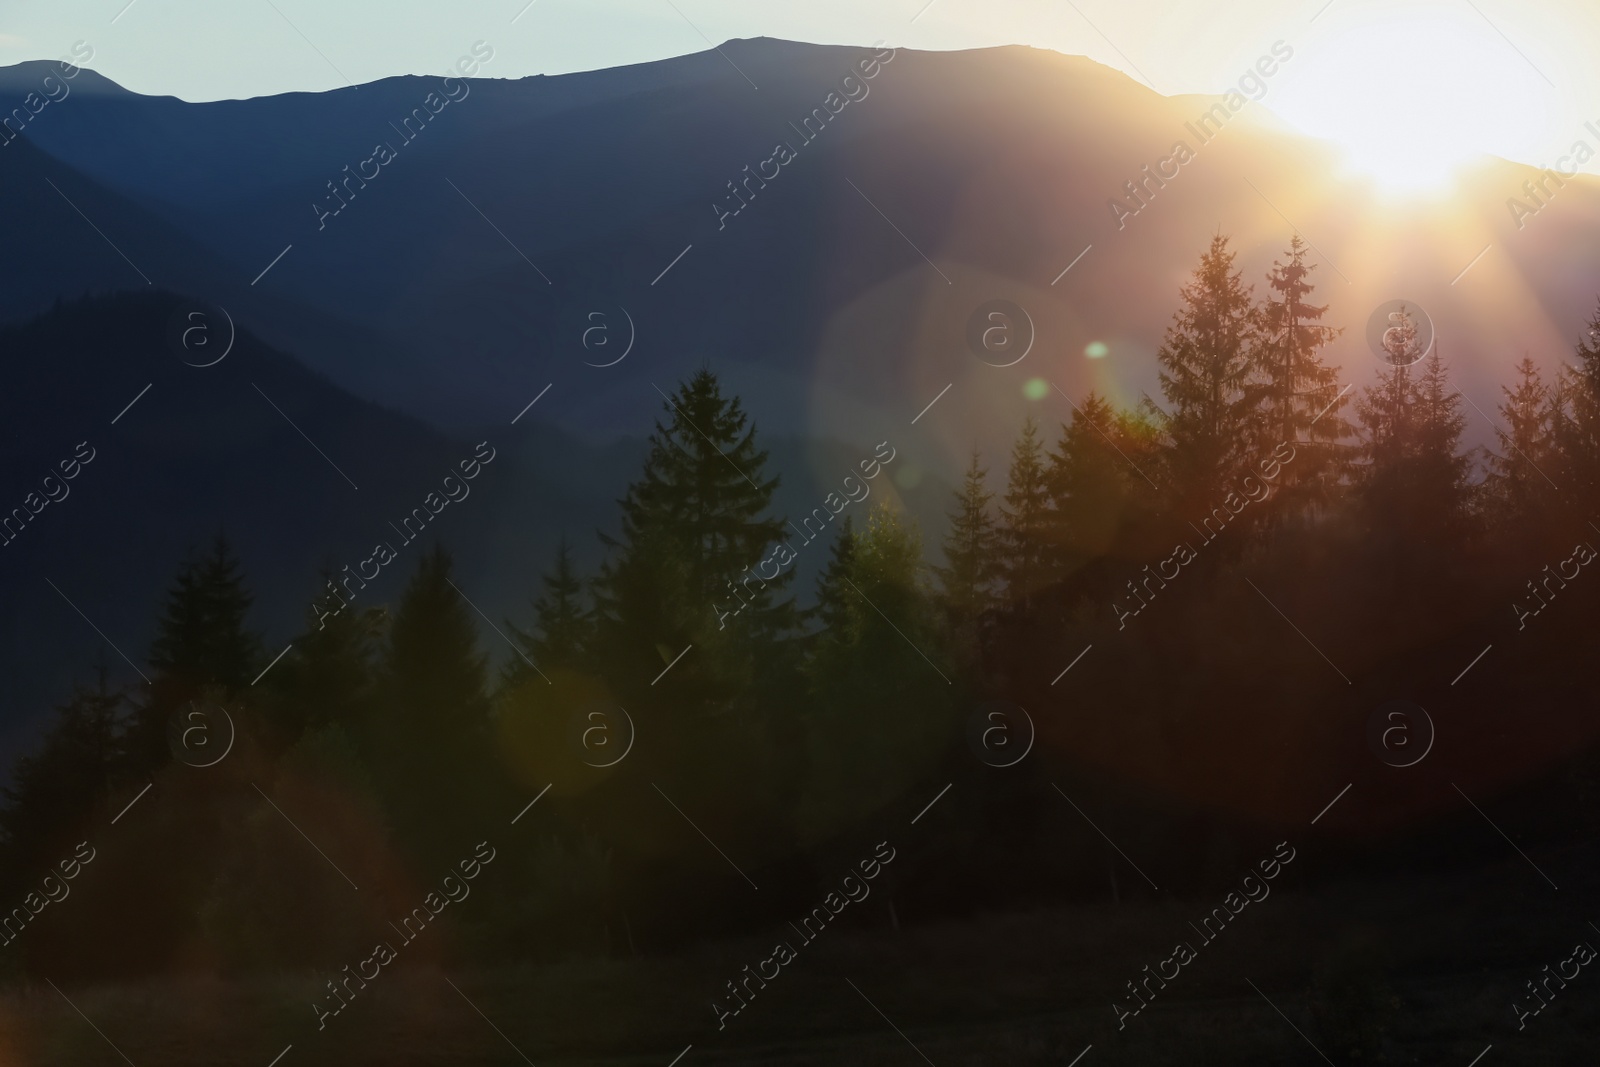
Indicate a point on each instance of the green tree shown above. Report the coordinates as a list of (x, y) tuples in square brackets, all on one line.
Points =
[(1095, 482), (202, 638), (835, 607), (972, 566), (562, 634), (699, 557), (1025, 521), (54, 792), (697, 636), (330, 674), (201, 642), (433, 717), (881, 699)]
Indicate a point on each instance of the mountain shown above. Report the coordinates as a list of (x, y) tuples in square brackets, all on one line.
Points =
[(166, 451), (467, 274)]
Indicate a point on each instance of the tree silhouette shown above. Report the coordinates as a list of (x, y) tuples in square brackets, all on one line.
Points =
[(1209, 365), (698, 557), (54, 792), (431, 727), (972, 566), (201, 642), (1025, 521), (1517, 485), (1303, 397), (562, 634)]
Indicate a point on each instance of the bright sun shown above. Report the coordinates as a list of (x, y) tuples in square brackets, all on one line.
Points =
[(1412, 94)]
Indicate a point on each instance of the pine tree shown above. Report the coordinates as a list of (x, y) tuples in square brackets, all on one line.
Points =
[(1518, 485), (881, 700), (1303, 398), (330, 673), (1443, 470), (202, 639), (971, 549), (695, 630), (687, 567), (702, 489), (1385, 411), (1414, 484), (835, 608), (562, 632), (1025, 521), (1208, 361), (1092, 487), (431, 726), (434, 669), (1577, 419), (201, 643), (54, 791)]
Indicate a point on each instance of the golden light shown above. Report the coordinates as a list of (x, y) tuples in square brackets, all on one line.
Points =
[(1413, 93)]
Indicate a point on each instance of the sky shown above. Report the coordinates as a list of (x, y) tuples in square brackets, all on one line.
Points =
[(1435, 81)]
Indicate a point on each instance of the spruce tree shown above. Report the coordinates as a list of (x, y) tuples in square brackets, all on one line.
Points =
[(1303, 401), (1518, 482), (1025, 521), (971, 549), (431, 724), (881, 698), (836, 604), (201, 643), (1414, 484), (53, 792), (329, 674), (202, 639), (699, 559), (433, 667), (1443, 470), (1208, 365), (1386, 410), (1091, 486), (1577, 419), (562, 629)]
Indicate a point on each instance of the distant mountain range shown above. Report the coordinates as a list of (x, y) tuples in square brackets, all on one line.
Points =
[(460, 277)]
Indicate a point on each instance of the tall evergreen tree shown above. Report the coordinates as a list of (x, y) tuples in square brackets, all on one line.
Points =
[(1443, 469), (202, 638), (1414, 483), (201, 642), (330, 673), (687, 566), (432, 725), (1094, 482), (1303, 398), (1208, 365), (1518, 484), (54, 791), (971, 549), (1577, 420), (562, 628), (1025, 521), (835, 608), (881, 699)]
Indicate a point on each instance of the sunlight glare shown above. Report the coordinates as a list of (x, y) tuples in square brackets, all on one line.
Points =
[(1412, 94)]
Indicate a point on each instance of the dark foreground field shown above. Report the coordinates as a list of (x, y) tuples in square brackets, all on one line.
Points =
[(1296, 979)]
